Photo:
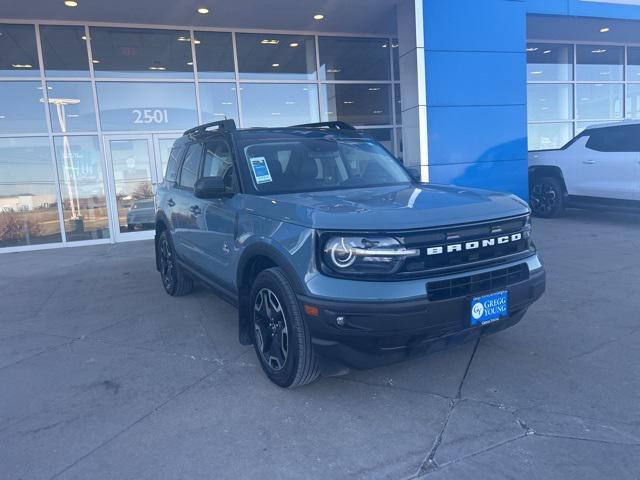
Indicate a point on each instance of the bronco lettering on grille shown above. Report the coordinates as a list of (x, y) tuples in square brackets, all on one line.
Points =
[(474, 245)]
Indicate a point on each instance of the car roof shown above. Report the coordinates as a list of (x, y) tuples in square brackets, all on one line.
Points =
[(613, 124)]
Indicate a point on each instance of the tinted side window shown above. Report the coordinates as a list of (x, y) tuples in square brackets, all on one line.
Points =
[(189, 172), (172, 165), (218, 162), (624, 138)]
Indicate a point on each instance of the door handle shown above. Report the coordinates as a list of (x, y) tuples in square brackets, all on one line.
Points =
[(195, 209), (171, 203), (588, 162)]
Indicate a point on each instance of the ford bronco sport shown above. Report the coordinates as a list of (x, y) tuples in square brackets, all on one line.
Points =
[(335, 257)]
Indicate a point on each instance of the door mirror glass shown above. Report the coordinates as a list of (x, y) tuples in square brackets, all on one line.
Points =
[(211, 187)]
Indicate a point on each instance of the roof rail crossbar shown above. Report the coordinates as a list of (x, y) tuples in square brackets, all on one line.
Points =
[(338, 125), (201, 129)]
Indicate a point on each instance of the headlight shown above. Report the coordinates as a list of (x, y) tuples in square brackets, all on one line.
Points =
[(365, 255)]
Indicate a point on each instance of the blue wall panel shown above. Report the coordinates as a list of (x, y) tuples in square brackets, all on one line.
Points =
[(583, 8), (476, 93), (474, 25), (510, 176), (476, 134), (476, 86), (481, 78)]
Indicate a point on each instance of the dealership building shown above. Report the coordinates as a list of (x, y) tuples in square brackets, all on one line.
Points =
[(92, 94)]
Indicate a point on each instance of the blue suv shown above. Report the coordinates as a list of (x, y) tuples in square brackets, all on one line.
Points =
[(334, 255)]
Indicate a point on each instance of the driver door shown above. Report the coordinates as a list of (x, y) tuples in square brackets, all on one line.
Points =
[(214, 236)]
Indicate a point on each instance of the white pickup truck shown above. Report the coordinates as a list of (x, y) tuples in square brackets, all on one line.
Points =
[(598, 168)]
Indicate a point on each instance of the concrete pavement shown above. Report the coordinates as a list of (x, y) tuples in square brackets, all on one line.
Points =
[(105, 376)]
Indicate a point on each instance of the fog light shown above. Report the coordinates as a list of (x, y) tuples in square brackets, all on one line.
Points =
[(340, 320)]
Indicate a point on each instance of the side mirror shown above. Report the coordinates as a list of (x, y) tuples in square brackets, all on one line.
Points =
[(415, 173), (210, 187)]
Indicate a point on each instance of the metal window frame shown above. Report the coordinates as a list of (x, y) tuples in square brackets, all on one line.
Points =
[(574, 83)]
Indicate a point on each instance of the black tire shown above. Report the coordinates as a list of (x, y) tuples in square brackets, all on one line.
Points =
[(546, 197), (280, 334), (175, 280)]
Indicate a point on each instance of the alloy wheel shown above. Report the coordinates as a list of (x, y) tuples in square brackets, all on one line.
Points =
[(544, 198), (270, 328)]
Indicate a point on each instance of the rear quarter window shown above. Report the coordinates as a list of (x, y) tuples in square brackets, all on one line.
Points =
[(624, 138), (171, 172)]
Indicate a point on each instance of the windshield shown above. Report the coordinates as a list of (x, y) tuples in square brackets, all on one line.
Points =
[(329, 163)]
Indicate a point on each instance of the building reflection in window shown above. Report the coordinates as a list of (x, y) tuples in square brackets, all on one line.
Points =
[(358, 104), (84, 204), (145, 106), (278, 105), (28, 206), (71, 107)]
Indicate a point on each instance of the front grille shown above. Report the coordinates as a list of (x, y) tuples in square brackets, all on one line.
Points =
[(458, 260), (472, 284)]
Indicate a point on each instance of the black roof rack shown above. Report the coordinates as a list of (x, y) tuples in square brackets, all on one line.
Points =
[(336, 125), (201, 129)]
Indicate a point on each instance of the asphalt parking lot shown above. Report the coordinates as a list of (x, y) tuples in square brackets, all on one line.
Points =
[(103, 375)]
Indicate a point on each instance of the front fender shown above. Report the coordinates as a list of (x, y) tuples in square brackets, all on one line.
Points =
[(289, 246)]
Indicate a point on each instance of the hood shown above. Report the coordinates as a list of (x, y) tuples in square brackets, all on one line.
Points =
[(388, 208)]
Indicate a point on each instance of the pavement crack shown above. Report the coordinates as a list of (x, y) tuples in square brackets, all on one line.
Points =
[(479, 452), (429, 464), (583, 439), (466, 370), (393, 387)]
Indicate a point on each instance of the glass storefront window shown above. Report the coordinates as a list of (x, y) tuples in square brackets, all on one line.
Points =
[(352, 58), (218, 101), (84, 204), (633, 101), (142, 106), (545, 136), (64, 51), (131, 162), (599, 63), (18, 53), (214, 54), (549, 62), (382, 135), (274, 57), (22, 107), (598, 101), (141, 52), (28, 205), (358, 104), (549, 101), (399, 149), (278, 105), (633, 64), (71, 107)]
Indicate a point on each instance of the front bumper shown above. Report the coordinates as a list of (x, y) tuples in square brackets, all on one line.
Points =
[(380, 333)]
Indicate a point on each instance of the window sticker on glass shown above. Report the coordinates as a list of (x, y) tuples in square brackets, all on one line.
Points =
[(260, 170)]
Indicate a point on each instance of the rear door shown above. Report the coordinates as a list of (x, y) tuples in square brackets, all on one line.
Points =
[(609, 164), (184, 215)]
